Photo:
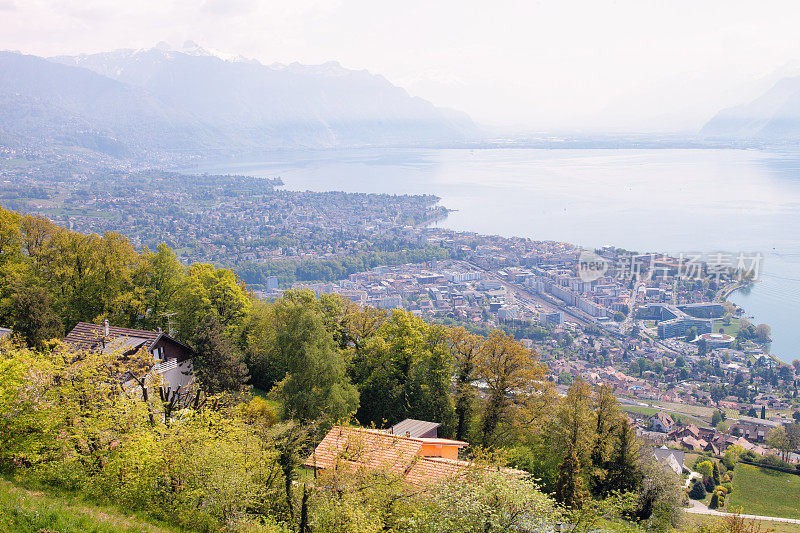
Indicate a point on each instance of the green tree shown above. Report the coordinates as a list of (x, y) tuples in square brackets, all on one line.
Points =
[(570, 491), (779, 439), (714, 503), (404, 371), (207, 290), (705, 468), (157, 283), (465, 347), (515, 382), (316, 383), (698, 491), (606, 419), (34, 317), (763, 332), (573, 427), (219, 365), (624, 474)]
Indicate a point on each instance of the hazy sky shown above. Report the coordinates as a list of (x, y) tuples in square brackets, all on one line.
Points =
[(634, 65)]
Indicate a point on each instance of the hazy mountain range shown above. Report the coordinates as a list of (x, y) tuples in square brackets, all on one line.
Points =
[(772, 117), (138, 101)]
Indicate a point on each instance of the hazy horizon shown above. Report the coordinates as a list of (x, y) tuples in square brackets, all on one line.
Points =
[(549, 67)]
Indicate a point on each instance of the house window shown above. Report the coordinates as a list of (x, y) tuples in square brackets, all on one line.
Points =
[(157, 353)]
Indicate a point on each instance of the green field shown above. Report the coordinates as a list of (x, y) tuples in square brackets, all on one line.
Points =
[(765, 492), (647, 411), (639, 409), (699, 411), (687, 413), (689, 459), (24, 511), (730, 329)]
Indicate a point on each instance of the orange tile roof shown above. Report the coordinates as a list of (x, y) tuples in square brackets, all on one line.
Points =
[(432, 470), (371, 449), (365, 448)]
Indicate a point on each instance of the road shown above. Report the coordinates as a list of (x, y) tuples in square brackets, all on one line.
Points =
[(633, 305)]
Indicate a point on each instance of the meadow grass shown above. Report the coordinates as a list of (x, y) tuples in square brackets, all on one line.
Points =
[(760, 491), (28, 511)]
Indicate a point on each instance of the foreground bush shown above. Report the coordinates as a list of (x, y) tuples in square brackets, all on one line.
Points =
[(698, 491)]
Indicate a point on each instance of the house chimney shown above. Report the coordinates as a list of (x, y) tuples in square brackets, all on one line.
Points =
[(105, 327), (159, 329)]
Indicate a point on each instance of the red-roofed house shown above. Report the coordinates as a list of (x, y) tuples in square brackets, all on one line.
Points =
[(420, 461), (662, 422)]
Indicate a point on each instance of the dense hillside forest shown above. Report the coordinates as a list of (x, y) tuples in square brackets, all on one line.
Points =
[(272, 378)]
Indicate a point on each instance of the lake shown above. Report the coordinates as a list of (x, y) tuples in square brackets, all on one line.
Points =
[(673, 201)]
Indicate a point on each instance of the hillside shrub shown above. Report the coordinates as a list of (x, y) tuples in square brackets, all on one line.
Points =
[(714, 503), (698, 491), (705, 468)]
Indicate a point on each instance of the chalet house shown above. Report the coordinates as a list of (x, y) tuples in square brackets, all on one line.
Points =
[(673, 459), (662, 422), (174, 360), (419, 461)]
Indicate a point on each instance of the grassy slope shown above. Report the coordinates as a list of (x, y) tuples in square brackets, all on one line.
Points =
[(765, 492), (27, 511), (692, 520), (686, 415)]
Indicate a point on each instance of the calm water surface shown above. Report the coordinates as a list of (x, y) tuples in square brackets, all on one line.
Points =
[(646, 200)]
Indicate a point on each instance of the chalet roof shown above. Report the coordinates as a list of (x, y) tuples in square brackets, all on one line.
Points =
[(664, 418), (671, 458), (413, 428), (88, 336)]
